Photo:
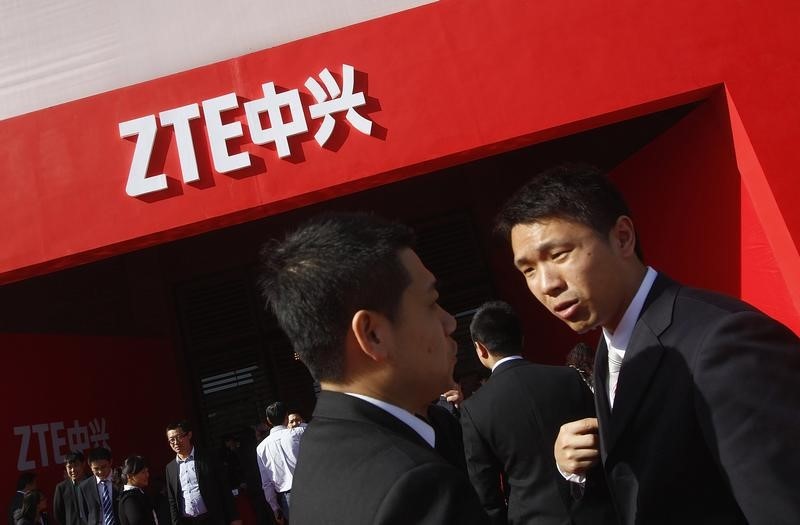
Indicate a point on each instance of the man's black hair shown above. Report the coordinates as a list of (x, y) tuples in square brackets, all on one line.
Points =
[(99, 454), (498, 328), (181, 424), (276, 413), (575, 192), (73, 457), (320, 275)]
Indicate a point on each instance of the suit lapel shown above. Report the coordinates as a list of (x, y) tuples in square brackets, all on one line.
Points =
[(641, 360), (642, 357)]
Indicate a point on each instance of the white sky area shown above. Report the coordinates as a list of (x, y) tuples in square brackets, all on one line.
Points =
[(55, 51)]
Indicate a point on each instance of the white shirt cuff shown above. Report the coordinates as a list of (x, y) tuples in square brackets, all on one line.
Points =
[(572, 478)]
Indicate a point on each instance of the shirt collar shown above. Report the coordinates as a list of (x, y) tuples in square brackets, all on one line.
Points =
[(505, 360), (622, 335), (277, 428), (190, 457), (100, 480), (424, 430)]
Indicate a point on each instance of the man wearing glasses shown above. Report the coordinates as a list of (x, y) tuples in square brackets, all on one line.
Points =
[(197, 491)]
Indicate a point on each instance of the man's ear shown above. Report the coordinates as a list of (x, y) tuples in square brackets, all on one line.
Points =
[(371, 334), (481, 350), (623, 236)]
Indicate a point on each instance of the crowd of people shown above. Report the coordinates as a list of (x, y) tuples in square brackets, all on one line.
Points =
[(692, 419), (687, 413), (199, 487)]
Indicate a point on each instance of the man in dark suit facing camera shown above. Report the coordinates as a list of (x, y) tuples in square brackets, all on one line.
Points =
[(65, 497), (696, 393), (510, 426), (197, 487), (361, 311)]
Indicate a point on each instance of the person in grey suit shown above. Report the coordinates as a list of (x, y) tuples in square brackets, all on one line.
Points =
[(698, 412), (510, 426), (98, 498), (198, 490), (362, 313)]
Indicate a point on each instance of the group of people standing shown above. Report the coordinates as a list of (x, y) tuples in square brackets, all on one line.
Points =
[(93, 496), (690, 415), (693, 419)]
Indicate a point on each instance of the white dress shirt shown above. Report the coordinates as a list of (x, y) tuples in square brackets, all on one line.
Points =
[(277, 457), (193, 504), (109, 486), (419, 426), (617, 343)]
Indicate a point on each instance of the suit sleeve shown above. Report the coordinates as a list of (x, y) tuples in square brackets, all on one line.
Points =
[(484, 469), (431, 494), (748, 406), (172, 496), (59, 511), (83, 505)]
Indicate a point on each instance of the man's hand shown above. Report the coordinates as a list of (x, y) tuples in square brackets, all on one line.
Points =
[(577, 446), (279, 518), (454, 396)]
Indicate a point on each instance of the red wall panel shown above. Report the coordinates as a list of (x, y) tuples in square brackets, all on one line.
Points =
[(84, 391)]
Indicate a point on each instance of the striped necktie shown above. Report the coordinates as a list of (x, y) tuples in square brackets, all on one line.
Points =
[(108, 507)]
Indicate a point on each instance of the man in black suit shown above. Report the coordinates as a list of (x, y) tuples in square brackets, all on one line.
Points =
[(510, 426), (361, 311), (197, 487), (706, 412), (98, 498), (65, 498)]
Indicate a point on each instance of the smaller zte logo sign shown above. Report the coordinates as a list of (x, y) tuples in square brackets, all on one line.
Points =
[(45, 443), (330, 99)]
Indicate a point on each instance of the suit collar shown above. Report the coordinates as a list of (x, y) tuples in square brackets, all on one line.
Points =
[(513, 362), (337, 405), (642, 358), (418, 424)]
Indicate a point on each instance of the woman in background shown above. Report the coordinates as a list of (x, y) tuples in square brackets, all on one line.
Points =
[(32, 512), (135, 506)]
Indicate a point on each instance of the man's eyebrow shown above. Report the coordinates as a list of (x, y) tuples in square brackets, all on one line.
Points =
[(544, 247)]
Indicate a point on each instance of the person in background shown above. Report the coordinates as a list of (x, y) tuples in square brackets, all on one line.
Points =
[(25, 483), (32, 510), (197, 487), (295, 420), (277, 457), (229, 456), (98, 497), (66, 510), (248, 459), (510, 426), (135, 506)]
